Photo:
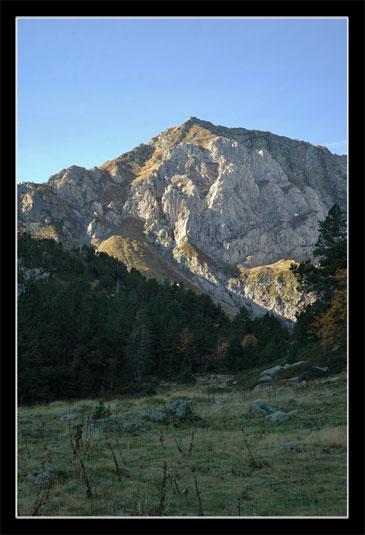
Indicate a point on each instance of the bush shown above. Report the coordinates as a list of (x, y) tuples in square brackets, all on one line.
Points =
[(148, 388), (100, 411)]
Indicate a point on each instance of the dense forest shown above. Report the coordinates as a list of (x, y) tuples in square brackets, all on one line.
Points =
[(87, 326)]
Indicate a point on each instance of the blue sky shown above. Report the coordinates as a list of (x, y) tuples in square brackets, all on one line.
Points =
[(89, 90)]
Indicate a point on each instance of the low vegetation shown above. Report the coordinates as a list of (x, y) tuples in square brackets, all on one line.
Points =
[(187, 451)]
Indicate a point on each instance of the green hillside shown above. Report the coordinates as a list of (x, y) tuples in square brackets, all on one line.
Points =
[(87, 326)]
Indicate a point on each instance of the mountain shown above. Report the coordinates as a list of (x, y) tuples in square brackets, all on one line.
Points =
[(222, 209)]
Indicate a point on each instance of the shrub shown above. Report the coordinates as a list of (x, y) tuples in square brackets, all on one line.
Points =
[(100, 411), (148, 388)]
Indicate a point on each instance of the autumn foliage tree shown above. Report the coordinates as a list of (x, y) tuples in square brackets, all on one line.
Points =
[(219, 352), (331, 326), (250, 354), (249, 339)]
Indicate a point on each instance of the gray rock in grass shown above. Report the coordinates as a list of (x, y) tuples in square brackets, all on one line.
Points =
[(260, 406), (289, 447), (278, 416)]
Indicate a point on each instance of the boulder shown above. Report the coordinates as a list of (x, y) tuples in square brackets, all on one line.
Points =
[(321, 368), (260, 406), (271, 372), (278, 416), (294, 364), (313, 373), (265, 378)]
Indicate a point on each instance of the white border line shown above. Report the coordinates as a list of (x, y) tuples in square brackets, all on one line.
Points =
[(16, 243)]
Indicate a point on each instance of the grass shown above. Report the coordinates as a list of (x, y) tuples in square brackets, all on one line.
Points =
[(227, 462), (131, 247), (199, 136)]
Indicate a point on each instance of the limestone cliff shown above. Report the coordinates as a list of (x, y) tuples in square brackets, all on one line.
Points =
[(212, 204)]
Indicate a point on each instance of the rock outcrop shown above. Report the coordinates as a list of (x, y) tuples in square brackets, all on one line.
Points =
[(215, 203)]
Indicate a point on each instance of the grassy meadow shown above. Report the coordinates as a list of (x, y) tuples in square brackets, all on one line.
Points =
[(131, 457)]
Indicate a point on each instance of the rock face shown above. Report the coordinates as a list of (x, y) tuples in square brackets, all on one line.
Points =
[(216, 203)]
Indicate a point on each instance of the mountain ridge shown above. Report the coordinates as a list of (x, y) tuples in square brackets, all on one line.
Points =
[(210, 201)]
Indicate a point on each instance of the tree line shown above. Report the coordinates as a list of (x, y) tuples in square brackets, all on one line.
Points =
[(94, 328)]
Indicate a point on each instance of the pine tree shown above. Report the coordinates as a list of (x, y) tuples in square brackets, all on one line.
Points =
[(324, 320), (332, 231), (331, 252)]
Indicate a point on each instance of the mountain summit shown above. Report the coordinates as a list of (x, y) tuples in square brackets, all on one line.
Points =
[(205, 204)]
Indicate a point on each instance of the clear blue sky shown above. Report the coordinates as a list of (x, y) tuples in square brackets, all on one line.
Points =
[(89, 90)]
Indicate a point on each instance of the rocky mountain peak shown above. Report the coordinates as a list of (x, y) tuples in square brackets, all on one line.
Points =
[(209, 201)]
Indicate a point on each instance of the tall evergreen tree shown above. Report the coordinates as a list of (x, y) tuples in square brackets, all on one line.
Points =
[(325, 280), (332, 231), (331, 252)]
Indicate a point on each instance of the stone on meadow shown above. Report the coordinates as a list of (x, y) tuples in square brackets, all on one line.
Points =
[(278, 416), (271, 372), (289, 447), (260, 406)]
